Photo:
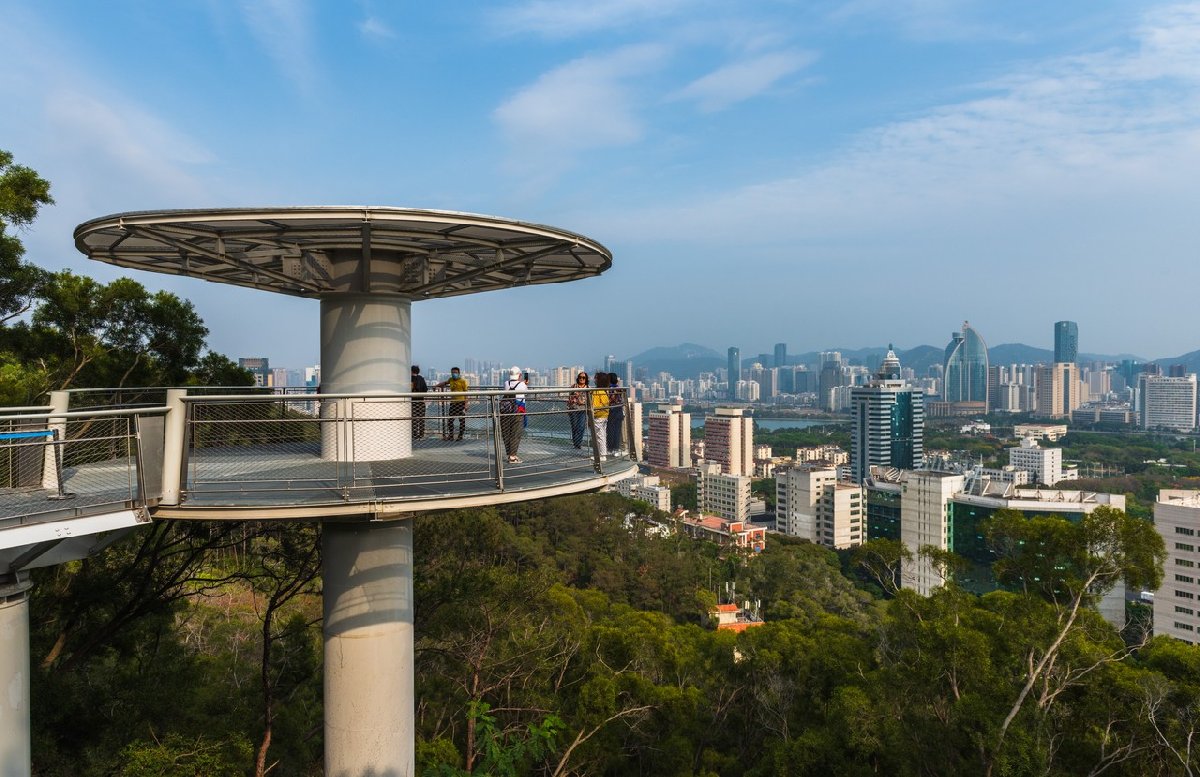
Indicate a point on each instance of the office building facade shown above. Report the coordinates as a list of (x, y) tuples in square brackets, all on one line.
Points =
[(1177, 602), (965, 381), (888, 423), (1167, 403), (1066, 342)]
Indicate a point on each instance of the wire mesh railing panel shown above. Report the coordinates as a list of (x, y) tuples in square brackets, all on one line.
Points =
[(304, 450), (66, 465), (95, 399), (257, 446)]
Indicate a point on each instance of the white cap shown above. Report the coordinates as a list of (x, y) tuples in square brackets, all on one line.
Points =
[(514, 373)]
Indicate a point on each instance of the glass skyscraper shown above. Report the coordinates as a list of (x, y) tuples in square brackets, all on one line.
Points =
[(1066, 342), (966, 373), (735, 371), (888, 427)]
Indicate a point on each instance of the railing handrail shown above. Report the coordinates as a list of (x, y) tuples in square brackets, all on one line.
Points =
[(390, 395), (152, 410)]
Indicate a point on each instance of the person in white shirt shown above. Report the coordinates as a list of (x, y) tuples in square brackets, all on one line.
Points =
[(512, 413)]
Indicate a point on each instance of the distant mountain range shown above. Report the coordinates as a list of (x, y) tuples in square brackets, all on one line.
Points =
[(688, 360)]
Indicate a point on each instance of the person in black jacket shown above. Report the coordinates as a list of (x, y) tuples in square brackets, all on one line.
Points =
[(419, 386)]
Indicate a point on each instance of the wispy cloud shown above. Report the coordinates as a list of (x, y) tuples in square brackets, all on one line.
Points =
[(284, 29), (567, 18), (373, 28), (742, 80), (585, 104), (1074, 137), (928, 20)]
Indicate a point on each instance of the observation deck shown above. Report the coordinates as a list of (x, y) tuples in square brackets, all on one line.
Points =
[(265, 455)]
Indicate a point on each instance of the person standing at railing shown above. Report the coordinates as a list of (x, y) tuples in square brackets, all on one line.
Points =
[(419, 386), (512, 413), (616, 413), (600, 413), (457, 385), (576, 402)]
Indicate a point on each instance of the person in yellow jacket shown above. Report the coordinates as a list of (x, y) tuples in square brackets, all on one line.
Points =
[(600, 413), (458, 404)]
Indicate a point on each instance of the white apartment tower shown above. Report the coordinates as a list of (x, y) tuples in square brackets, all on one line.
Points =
[(669, 442), (729, 440), (1168, 403), (925, 507), (812, 504), (1177, 602)]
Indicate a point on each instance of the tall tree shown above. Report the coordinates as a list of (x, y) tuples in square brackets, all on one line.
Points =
[(22, 194)]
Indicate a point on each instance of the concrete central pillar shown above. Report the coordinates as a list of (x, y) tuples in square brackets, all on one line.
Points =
[(369, 698), (366, 349), (15, 751)]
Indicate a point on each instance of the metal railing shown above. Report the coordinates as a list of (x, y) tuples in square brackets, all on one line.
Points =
[(301, 450), (78, 463)]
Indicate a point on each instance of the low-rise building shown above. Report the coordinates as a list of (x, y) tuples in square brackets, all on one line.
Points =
[(1049, 432), (811, 503), (724, 532), (1044, 465), (726, 495), (645, 488)]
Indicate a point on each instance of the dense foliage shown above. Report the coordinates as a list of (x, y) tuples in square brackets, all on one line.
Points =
[(567, 636)]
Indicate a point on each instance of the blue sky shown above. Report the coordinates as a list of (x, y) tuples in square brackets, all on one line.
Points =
[(818, 173)]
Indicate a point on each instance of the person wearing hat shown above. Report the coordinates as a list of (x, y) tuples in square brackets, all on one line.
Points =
[(512, 413)]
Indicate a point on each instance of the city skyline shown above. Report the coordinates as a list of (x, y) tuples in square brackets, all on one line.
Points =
[(903, 155)]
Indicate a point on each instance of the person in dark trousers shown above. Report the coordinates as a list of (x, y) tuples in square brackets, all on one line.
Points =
[(419, 386), (616, 413), (458, 405), (576, 403), (512, 413)]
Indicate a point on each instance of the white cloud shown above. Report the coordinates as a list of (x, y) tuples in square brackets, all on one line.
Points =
[(928, 20), (566, 18), (1065, 149), (585, 104), (373, 28), (283, 28), (742, 80)]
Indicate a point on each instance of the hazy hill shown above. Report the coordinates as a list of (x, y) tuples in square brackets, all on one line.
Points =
[(688, 360)]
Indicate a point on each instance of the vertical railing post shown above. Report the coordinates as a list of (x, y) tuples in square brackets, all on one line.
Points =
[(52, 458), (175, 439), (591, 419), (630, 442), (497, 440)]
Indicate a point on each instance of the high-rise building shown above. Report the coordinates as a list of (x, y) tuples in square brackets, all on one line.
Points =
[(1066, 341), (966, 370), (1177, 602), (926, 519), (669, 442), (812, 504), (780, 354), (888, 422), (832, 376), (729, 440), (260, 367), (1167, 403), (735, 371), (1057, 387)]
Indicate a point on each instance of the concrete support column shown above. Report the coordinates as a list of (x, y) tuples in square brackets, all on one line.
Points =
[(15, 752), (366, 349), (174, 438), (368, 601)]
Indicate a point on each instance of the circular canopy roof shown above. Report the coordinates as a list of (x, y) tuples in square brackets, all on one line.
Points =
[(310, 252)]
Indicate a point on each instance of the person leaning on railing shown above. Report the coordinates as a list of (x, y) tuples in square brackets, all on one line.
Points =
[(419, 386), (457, 385), (576, 402), (600, 413)]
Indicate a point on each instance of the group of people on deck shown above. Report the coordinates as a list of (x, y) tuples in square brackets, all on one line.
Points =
[(608, 410)]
